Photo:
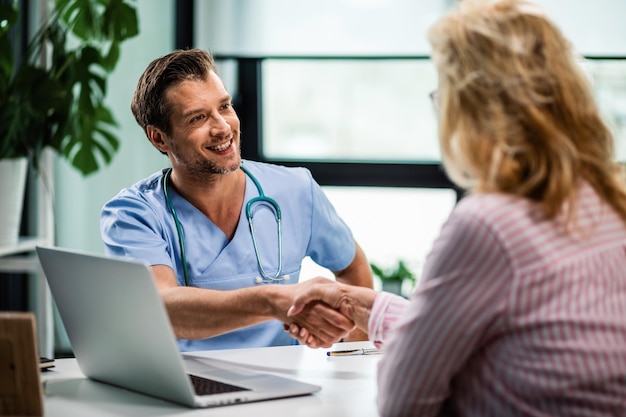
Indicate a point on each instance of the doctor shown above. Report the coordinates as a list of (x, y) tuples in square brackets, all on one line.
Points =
[(225, 237)]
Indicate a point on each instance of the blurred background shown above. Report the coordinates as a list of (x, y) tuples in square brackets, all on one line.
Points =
[(341, 87)]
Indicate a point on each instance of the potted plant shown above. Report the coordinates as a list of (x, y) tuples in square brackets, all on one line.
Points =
[(392, 279), (52, 93)]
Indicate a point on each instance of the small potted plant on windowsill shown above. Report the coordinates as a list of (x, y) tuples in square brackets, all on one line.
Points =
[(52, 94), (393, 279)]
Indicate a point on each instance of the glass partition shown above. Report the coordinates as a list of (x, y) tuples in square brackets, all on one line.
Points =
[(609, 83), (390, 224), (349, 110)]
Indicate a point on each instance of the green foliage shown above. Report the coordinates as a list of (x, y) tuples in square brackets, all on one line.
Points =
[(54, 95), (399, 273)]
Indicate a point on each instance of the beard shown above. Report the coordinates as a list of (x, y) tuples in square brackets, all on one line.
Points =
[(208, 167), (201, 166)]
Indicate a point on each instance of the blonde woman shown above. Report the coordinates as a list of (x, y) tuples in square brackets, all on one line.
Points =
[(521, 310)]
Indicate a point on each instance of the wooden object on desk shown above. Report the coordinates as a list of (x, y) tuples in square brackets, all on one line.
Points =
[(20, 385)]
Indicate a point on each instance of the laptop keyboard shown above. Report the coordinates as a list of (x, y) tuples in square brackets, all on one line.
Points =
[(204, 386)]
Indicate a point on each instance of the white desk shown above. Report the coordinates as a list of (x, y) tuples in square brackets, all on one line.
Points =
[(348, 387)]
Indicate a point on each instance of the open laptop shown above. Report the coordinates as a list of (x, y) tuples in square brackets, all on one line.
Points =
[(121, 335)]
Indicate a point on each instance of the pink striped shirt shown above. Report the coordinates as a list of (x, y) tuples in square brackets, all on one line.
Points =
[(512, 317)]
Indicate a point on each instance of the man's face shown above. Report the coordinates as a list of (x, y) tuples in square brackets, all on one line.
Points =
[(205, 134)]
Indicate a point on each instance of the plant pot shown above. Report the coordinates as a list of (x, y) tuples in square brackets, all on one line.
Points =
[(12, 185)]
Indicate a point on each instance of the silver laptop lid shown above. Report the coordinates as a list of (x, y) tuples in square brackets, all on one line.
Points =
[(116, 323), (120, 333)]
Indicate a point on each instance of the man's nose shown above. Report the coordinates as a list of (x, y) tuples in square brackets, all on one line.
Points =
[(219, 126)]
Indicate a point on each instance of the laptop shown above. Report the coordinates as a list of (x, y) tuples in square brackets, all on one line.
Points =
[(121, 335)]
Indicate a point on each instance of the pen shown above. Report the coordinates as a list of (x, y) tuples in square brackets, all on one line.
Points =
[(370, 351)]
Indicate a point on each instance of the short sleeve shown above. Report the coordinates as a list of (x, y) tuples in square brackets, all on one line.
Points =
[(332, 244)]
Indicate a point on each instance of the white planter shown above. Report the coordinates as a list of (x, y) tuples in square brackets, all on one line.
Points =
[(12, 186)]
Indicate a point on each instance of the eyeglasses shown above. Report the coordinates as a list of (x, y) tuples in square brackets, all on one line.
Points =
[(434, 97)]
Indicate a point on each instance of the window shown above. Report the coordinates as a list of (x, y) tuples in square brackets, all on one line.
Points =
[(608, 76), (390, 223), (366, 129), (349, 110), (351, 121)]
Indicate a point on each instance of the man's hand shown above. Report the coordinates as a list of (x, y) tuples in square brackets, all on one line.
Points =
[(325, 325), (351, 301)]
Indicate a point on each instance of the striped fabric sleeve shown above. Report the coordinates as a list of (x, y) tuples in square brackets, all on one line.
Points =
[(386, 310), (460, 294)]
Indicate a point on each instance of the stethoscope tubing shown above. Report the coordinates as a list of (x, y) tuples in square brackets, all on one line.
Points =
[(261, 199)]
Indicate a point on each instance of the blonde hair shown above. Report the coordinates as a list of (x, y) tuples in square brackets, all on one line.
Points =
[(517, 114)]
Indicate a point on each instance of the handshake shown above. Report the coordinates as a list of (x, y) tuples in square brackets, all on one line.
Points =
[(325, 311)]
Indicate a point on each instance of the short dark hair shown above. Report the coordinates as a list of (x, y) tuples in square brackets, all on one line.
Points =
[(148, 104)]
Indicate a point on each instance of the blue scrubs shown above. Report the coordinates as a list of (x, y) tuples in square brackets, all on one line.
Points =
[(138, 224)]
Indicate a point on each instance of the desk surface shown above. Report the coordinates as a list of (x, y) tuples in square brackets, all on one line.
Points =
[(348, 387)]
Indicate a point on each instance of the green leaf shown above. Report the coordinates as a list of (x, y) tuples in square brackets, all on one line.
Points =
[(86, 22), (61, 105), (63, 4), (8, 17), (99, 82), (111, 140), (104, 151), (110, 60), (66, 9), (120, 21), (105, 116), (84, 160), (399, 273), (89, 55)]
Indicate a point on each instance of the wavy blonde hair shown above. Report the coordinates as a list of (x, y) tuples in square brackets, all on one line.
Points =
[(517, 114)]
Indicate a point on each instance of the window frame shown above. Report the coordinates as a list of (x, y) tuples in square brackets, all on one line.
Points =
[(249, 104)]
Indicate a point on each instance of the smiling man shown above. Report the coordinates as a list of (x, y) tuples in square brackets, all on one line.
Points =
[(225, 237)]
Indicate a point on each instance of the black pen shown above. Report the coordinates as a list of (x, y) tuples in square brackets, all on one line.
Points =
[(366, 351)]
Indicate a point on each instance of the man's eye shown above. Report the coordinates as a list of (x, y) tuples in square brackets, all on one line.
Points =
[(226, 106), (196, 118)]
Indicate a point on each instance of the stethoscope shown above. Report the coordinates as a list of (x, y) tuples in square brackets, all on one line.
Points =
[(261, 199)]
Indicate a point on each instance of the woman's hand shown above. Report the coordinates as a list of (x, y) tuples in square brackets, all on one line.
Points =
[(353, 302)]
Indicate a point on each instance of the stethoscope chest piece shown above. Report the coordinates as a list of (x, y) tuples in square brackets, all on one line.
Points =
[(263, 199)]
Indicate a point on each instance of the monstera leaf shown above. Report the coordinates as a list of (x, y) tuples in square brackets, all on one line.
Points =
[(53, 95)]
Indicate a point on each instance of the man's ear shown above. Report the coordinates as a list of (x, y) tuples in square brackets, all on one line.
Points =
[(157, 138)]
